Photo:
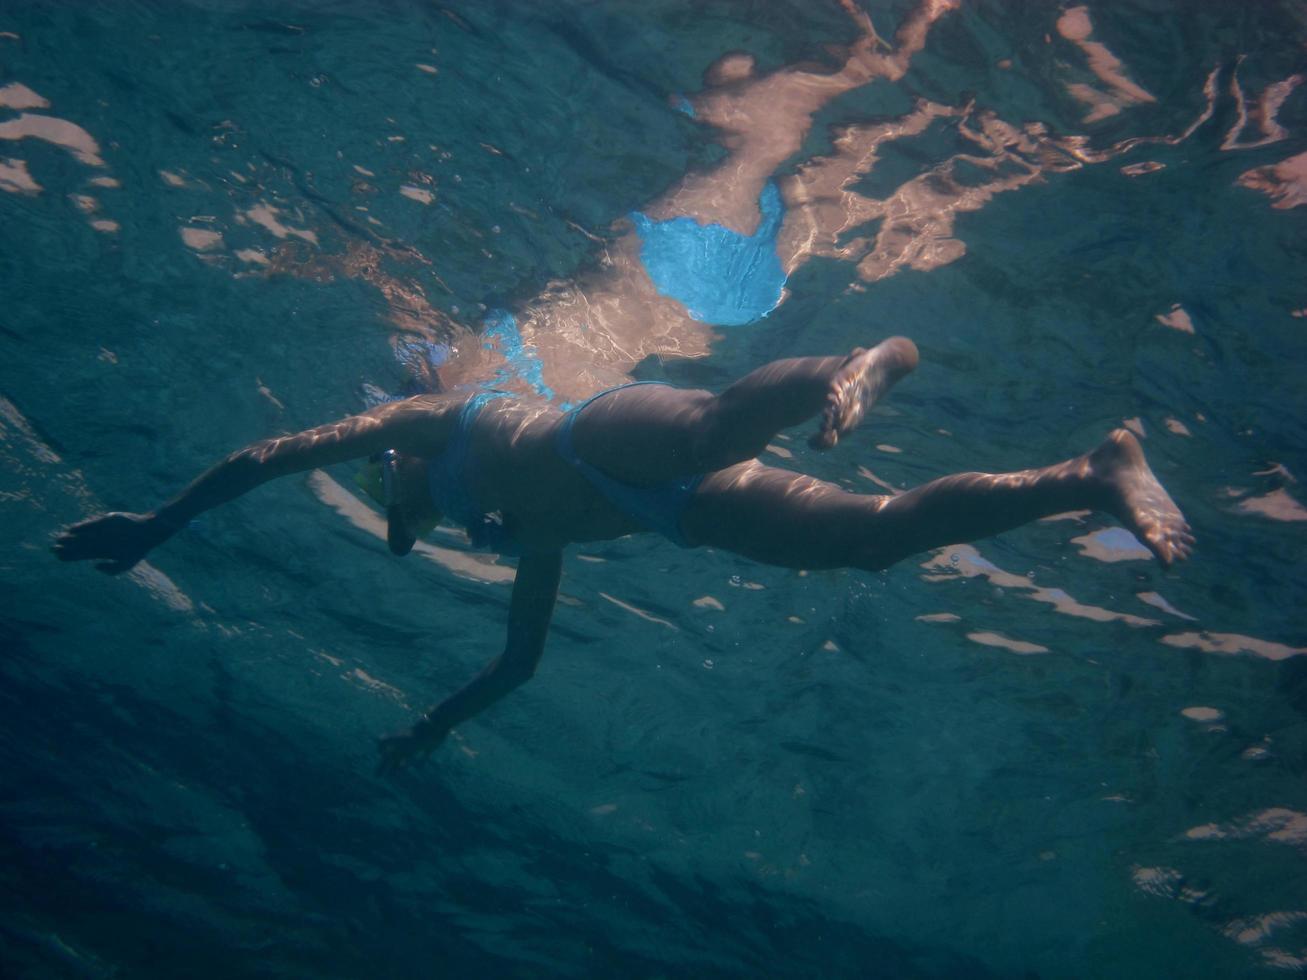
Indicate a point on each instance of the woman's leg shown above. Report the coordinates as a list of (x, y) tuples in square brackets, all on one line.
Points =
[(650, 434), (797, 521)]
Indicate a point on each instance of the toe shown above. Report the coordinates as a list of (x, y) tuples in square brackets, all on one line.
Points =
[(824, 438)]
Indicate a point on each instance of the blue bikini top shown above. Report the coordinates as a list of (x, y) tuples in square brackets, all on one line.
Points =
[(450, 478), (722, 277)]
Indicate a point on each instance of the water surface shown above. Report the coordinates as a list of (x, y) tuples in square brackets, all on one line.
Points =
[(1040, 755)]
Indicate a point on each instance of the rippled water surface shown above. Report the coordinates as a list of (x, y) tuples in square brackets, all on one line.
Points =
[(1040, 755)]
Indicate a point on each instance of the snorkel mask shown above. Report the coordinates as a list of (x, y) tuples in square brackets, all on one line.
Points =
[(379, 479)]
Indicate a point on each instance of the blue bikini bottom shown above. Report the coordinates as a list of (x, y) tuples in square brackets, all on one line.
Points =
[(659, 508)]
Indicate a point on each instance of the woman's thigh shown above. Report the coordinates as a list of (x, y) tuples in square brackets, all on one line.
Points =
[(782, 518)]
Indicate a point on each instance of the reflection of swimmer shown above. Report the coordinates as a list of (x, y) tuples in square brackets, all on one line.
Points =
[(528, 479), (716, 248)]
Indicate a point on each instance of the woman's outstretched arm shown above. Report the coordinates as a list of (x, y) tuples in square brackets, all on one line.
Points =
[(529, 611), (120, 540)]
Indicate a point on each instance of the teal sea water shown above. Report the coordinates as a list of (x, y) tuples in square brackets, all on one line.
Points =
[(1037, 756)]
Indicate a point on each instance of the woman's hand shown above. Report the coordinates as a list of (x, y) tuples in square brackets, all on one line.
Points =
[(120, 539), (397, 751)]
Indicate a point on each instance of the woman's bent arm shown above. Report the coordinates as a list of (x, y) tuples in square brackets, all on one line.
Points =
[(529, 610)]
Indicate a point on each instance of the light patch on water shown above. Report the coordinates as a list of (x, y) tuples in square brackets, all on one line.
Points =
[(252, 256), (1268, 107), (1069, 606), (1076, 26), (1154, 599), (944, 617), (1276, 505), (780, 451), (172, 179), (1070, 515), (59, 132), (1232, 643), (1282, 959), (334, 661), (266, 392), (361, 678), (16, 95), (637, 611), (1285, 183), (268, 217), (161, 587), (866, 474), (1176, 427), (1112, 544), (1255, 930), (201, 239), (708, 602), (419, 194), (16, 179), (966, 561), (9, 413), (991, 639), (1177, 318), (1158, 882), (1202, 713), (1279, 825)]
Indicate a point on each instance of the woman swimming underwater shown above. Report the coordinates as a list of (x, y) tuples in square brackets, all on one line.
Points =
[(527, 479)]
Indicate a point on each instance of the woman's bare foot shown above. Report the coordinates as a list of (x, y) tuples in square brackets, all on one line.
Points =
[(861, 382), (1138, 500)]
